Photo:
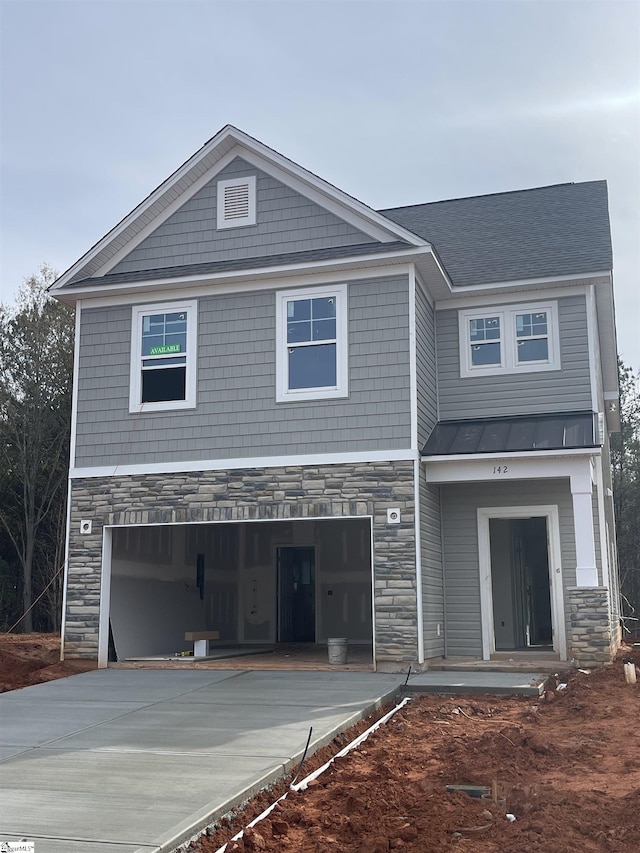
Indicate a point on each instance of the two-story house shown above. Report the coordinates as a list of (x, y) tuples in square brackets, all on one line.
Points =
[(297, 418)]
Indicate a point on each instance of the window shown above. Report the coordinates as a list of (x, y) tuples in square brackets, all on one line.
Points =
[(510, 339), (236, 202), (163, 356), (311, 334)]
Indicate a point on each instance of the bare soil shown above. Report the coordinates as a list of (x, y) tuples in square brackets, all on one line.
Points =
[(567, 766), (32, 658)]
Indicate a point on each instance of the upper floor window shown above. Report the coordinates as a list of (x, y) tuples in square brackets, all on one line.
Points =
[(163, 357), (236, 202), (509, 339), (311, 343)]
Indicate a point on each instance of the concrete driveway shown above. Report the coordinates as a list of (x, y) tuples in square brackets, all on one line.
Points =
[(117, 761)]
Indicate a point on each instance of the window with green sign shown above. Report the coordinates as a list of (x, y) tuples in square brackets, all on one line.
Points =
[(163, 376)]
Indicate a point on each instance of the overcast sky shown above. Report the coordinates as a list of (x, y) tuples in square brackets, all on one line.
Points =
[(394, 102)]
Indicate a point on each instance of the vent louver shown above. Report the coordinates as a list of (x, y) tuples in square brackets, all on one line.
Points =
[(237, 202)]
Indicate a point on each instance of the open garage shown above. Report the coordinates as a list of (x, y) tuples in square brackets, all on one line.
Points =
[(256, 583)]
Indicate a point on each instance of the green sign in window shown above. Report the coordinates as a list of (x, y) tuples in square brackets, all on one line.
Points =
[(165, 349)]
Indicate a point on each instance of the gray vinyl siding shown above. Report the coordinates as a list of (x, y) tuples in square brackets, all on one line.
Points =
[(236, 414), (425, 366), (460, 544), (431, 562), (564, 390), (285, 222)]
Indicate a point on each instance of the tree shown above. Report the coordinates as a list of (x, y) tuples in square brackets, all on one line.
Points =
[(36, 370), (625, 458)]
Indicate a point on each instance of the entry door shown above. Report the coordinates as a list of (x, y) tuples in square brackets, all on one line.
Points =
[(520, 583), (296, 595)]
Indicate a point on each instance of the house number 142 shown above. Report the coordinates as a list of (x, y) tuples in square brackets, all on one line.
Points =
[(500, 469)]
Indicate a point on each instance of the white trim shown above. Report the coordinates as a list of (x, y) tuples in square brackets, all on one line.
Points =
[(327, 196), (193, 287), (75, 383), (347, 267), (413, 363), (515, 297), (508, 341), (418, 548), (221, 189), (185, 467), (591, 339), (105, 599), (162, 217), (584, 533), (602, 525), (550, 512), (502, 469), (512, 455), (284, 394), (190, 308), (373, 593), (533, 282), (251, 150), (67, 548)]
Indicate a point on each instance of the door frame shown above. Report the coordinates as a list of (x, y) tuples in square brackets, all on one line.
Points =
[(277, 550), (554, 553)]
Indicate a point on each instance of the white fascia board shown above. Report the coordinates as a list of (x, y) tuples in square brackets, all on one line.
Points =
[(187, 467), (551, 288), (347, 269), (348, 208), (504, 467), (331, 198), (413, 362)]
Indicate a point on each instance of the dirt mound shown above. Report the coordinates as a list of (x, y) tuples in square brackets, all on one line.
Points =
[(567, 766), (27, 659)]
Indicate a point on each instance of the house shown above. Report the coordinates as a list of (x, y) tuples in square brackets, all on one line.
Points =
[(298, 418)]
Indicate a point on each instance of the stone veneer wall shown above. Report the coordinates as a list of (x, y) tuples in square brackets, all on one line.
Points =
[(591, 642), (271, 494)]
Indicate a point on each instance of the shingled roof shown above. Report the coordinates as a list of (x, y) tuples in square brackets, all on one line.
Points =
[(547, 231)]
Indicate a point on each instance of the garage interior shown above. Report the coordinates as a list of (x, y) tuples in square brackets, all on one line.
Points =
[(259, 584)]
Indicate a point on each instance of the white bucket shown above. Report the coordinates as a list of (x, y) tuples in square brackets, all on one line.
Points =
[(337, 647)]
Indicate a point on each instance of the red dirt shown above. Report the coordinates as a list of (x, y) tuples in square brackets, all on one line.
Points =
[(32, 658), (568, 766)]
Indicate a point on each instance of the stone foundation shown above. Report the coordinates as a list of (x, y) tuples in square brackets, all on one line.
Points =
[(271, 494), (591, 640)]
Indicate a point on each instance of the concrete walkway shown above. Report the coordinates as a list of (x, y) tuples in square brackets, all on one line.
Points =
[(136, 761), (117, 761)]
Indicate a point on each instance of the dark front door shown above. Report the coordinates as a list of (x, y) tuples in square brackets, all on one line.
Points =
[(296, 595), (520, 583)]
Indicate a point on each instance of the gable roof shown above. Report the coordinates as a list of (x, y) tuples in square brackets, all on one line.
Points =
[(202, 168), (535, 233)]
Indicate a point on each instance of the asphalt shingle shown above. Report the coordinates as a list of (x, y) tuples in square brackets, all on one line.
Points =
[(547, 231)]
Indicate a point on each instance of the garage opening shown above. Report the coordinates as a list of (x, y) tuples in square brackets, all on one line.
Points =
[(520, 583), (259, 585)]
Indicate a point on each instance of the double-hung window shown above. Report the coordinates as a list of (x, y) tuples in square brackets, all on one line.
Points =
[(163, 357), (509, 339), (311, 335)]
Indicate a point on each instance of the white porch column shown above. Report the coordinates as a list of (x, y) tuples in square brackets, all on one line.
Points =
[(586, 568)]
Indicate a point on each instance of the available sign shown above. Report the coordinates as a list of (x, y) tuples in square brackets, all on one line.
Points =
[(166, 349)]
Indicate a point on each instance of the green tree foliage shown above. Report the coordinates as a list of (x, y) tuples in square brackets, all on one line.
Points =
[(36, 369), (625, 457)]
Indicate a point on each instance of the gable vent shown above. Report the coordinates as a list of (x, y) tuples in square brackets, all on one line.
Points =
[(237, 202)]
